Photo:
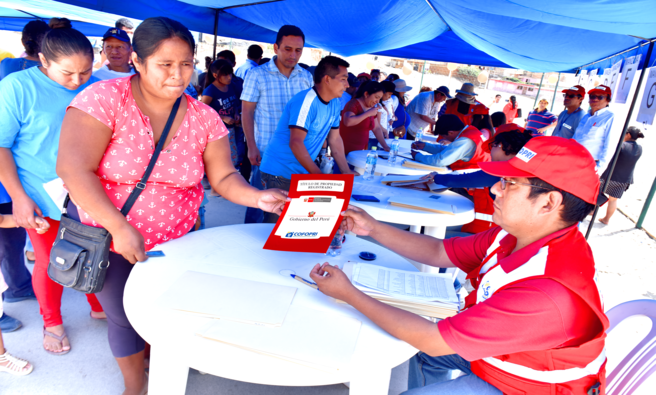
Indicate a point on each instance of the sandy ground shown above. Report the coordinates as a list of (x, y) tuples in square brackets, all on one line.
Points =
[(625, 256)]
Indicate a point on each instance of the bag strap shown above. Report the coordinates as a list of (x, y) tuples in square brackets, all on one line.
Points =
[(132, 199), (141, 185)]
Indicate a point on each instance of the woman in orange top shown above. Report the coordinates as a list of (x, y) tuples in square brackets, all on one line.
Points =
[(511, 110)]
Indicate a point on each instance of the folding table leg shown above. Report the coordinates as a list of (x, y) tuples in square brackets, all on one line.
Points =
[(371, 382), (168, 374)]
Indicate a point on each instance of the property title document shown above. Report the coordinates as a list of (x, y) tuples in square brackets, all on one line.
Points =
[(310, 220)]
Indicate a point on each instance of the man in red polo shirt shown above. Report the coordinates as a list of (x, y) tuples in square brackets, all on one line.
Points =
[(534, 323)]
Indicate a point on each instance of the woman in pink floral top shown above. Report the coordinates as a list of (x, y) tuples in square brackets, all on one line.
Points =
[(107, 139)]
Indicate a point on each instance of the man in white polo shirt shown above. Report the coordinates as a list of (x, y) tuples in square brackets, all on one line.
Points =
[(534, 323), (423, 109)]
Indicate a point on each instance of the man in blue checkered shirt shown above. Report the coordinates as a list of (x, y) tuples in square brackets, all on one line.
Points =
[(267, 89)]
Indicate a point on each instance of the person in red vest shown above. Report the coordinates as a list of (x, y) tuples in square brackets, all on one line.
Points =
[(464, 150), (535, 322), (503, 146), (463, 104)]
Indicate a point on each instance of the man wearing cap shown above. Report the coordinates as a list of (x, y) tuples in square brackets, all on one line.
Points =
[(569, 119), (117, 49), (595, 130), (465, 150), (463, 104), (534, 323), (423, 109)]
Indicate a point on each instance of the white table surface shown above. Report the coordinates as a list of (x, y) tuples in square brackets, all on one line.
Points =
[(236, 251), (435, 223), (358, 159)]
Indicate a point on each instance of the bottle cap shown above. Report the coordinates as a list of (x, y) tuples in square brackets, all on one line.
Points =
[(374, 148), (396, 137)]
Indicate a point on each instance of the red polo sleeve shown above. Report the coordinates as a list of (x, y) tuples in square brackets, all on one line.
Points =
[(467, 253)]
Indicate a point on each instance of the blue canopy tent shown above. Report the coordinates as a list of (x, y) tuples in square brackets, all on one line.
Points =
[(14, 16)]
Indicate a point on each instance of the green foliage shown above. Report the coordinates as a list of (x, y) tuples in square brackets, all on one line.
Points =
[(469, 71), (514, 79)]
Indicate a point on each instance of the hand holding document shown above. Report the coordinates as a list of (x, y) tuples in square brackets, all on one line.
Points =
[(311, 219)]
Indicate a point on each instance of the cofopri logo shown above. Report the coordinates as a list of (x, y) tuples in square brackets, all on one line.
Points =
[(301, 235)]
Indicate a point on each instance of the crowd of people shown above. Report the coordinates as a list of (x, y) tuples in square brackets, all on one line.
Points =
[(242, 132)]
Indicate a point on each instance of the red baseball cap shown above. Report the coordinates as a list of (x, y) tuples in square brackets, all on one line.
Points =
[(480, 109), (601, 89), (561, 162), (576, 90), (366, 75)]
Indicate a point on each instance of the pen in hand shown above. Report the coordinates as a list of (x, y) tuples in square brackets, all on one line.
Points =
[(304, 281)]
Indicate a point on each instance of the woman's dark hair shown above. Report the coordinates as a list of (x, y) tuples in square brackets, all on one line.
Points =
[(62, 43), (289, 30), (498, 119), (264, 60), (480, 122), (400, 96), (513, 100), (388, 86), (33, 33), (635, 133), (219, 67), (150, 34), (393, 77), (59, 23), (512, 141), (371, 87), (575, 209), (208, 63)]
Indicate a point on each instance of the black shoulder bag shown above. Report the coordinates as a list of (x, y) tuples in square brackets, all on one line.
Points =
[(80, 255)]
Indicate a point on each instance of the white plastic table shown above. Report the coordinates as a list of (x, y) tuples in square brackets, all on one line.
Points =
[(358, 159), (435, 224), (236, 251)]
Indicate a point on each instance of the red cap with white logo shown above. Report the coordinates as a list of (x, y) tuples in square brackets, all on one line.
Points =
[(563, 163), (601, 89), (575, 90)]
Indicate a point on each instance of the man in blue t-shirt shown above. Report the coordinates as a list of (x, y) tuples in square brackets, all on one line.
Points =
[(308, 118)]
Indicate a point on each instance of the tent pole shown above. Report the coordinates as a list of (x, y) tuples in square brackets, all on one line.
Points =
[(535, 104), (645, 208), (216, 31), (555, 91), (611, 167), (423, 68)]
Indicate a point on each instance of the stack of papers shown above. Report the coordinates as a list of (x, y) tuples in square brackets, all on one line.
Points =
[(413, 182), (426, 294), (430, 203), (318, 339), (421, 166), (229, 298)]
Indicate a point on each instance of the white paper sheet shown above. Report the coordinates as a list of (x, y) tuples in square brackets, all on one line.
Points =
[(229, 298), (319, 339), (55, 189), (314, 216), (405, 284)]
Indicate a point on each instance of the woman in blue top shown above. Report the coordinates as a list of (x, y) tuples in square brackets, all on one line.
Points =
[(400, 125), (32, 108), (220, 95), (31, 38)]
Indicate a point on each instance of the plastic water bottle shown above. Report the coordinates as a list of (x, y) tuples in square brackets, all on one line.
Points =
[(419, 135), (335, 248), (370, 167), (394, 151), (327, 164)]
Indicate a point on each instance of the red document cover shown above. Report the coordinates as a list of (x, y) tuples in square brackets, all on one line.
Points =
[(309, 222)]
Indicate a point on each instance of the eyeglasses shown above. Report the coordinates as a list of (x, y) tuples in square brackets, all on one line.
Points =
[(570, 96), (597, 97), (504, 182)]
